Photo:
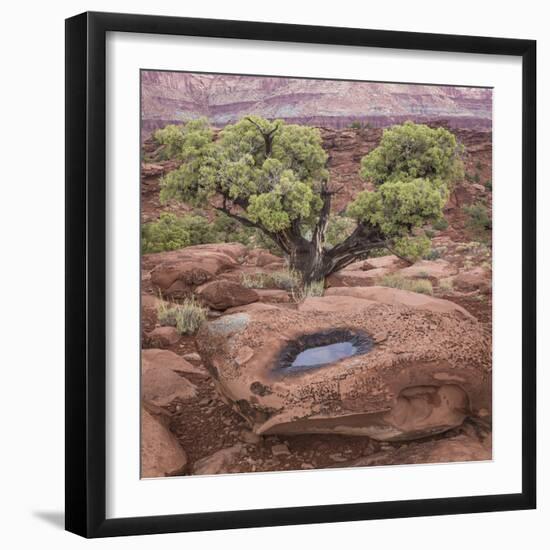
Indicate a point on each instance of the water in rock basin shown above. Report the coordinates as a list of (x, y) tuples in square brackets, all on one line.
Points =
[(319, 349), (324, 354)]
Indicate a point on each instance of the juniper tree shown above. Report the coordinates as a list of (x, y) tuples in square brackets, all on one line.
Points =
[(273, 176)]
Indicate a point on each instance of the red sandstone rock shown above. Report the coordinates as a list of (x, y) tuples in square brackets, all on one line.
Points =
[(163, 337), (161, 454), (225, 294), (425, 373)]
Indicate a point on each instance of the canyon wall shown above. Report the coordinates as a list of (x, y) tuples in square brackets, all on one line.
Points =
[(169, 97)]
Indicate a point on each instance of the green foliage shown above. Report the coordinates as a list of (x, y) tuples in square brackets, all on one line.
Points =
[(422, 286), (271, 177), (338, 229), (168, 233), (488, 185), (413, 168), (432, 254), (414, 151), (398, 206), (274, 187), (476, 177), (226, 229), (440, 224), (171, 232), (412, 248), (478, 219)]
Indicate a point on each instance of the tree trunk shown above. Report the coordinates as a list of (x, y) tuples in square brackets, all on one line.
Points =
[(314, 262), (312, 265)]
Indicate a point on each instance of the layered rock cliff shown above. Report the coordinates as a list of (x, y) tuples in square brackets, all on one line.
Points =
[(169, 97)]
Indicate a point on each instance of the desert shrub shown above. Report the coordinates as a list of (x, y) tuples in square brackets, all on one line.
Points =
[(356, 125), (479, 166), (488, 185), (190, 316), (284, 279), (253, 280), (477, 217), (311, 290), (167, 315), (440, 225), (168, 233), (469, 177), (432, 254), (430, 233), (476, 177), (186, 317), (171, 232), (422, 286), (446, 285)]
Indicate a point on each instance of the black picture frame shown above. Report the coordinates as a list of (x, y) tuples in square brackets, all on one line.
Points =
[(86, 269)]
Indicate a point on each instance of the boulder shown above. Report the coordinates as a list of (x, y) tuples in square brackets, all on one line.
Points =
[(473, 279), (160, 358), (333, 303), (388, 262), (223, 461), (161, 454), (273, 296), (224, 294), (160, 385), (149, 170), (395, 296), (163, 337), (459, 448), (358, 277), (423, 373), (264, 258), (429, 269), (255, 306), (176, 274)]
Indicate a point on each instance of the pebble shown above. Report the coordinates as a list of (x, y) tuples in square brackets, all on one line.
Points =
[(280, 450), (337, 457), (249, 437)]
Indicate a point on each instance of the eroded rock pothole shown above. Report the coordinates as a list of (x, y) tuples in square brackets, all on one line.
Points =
[(318, 349)]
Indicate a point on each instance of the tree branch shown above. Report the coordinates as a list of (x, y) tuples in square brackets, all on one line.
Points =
[(276, 237), (398, 255), (267, 135), (356, 246)]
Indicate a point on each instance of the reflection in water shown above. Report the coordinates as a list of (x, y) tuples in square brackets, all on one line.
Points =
[(324, 354)]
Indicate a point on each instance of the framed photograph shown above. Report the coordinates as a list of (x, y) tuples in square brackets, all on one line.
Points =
[(300, 274)]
